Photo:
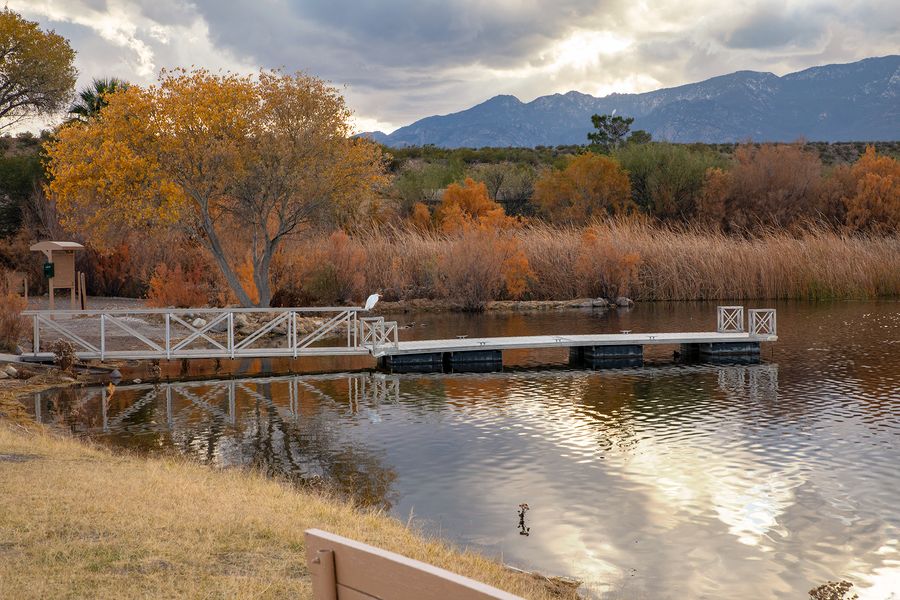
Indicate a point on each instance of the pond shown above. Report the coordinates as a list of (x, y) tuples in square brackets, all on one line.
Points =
[(668, 480)]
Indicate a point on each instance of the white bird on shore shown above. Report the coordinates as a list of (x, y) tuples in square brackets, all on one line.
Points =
[(371, 301)]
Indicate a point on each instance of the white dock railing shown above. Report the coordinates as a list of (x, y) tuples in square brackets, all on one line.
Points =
[(730, 319), (377, 334), (212, 332)]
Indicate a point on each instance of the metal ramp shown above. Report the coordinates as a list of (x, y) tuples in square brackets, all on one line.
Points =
[(210, 333)]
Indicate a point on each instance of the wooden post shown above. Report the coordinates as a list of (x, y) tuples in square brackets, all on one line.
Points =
[(82, 289), (321, 570)]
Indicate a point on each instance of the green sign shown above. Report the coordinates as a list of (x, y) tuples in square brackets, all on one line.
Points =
[(49, 271)]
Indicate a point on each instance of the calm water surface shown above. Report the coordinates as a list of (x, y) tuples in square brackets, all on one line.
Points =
[(665, 481)]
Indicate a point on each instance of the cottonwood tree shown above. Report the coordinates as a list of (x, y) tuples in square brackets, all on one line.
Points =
[(37, 75), (240, 162)]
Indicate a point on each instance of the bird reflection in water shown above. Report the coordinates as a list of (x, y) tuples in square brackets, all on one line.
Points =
[(523, 530)]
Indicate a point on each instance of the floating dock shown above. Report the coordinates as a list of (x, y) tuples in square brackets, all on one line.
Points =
[(624, 349), (258, 333)]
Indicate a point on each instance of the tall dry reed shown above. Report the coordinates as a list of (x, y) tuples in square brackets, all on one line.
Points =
[(12, 325), (633, 257)]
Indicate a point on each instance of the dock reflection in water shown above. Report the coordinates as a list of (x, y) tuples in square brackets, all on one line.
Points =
[(664, 481)]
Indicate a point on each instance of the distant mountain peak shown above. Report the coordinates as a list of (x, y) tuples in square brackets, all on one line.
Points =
[(853, 101)]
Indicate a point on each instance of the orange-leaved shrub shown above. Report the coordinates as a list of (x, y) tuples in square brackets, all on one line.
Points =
[(468, 205), (187, 278), (873, 200), (590, 186), (420, 218), (178, 287)]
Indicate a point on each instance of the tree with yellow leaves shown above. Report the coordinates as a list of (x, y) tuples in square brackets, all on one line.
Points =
[(240, 162), (37, 74)]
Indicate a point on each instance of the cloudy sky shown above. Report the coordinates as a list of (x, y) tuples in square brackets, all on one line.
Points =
[(400, 60)]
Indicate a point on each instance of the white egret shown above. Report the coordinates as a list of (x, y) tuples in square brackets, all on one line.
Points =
[(371, 301)]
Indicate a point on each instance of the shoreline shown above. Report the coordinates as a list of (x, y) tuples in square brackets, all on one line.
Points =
[(211, 532)]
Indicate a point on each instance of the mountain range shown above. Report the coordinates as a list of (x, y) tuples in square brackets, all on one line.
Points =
[(858, 101)]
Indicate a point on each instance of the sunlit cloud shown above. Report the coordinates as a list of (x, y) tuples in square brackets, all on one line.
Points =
[(407, 59)]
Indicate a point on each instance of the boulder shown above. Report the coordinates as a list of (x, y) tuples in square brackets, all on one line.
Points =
[(115, 375), (198, 323), (241, 321), (599, 303), (222, 326), (10, 371), (624, 302), (3, 375)]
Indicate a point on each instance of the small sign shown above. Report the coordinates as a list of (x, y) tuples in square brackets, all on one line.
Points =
[(48, 270)]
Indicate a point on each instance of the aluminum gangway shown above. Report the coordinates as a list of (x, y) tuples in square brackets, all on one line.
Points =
[(168, 333)]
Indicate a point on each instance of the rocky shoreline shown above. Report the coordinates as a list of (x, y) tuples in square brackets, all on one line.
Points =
[(428, 305)]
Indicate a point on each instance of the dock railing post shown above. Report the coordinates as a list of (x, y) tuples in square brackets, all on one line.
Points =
[(730, 319), (168, 336), (231, 334), (762, 322), (36, 345)]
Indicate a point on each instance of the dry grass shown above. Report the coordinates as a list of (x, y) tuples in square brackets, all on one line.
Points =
[(80, 521), (687, 263), (12, 325), (693, 264)]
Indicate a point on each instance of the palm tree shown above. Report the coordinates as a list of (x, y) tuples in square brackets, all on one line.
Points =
[(91, 99)]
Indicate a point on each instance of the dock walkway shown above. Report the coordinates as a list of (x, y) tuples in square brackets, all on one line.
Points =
[(340, 331)]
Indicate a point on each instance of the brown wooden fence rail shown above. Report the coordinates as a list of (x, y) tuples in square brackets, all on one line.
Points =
[(343, 569)]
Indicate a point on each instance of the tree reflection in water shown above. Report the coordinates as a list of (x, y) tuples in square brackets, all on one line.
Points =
[(243, 423)]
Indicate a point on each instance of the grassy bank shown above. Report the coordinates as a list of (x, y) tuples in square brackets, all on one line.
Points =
[(81, 521)]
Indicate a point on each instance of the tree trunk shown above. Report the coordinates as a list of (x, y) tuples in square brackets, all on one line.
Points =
[(261, 276), (230, 276)]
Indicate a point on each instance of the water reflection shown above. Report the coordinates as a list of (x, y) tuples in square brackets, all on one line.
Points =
[(284, 426), (662, 481)]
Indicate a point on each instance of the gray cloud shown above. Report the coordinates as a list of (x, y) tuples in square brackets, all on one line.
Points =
[(410, 34), (769, 29), (405, 59)]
